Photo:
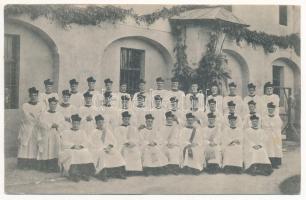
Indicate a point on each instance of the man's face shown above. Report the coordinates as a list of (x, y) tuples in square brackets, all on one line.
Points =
[(194, 88), (49, 88), (125, 120), (212, 107), (231, 109), (33, 97), (232, 122), (76, 125), (123, 88), (66, 98), (158, 102), (108, 86), (99, 123), (141, 87), (52, 106), (169, 120), (211, 121), (254, 123), (173, 104), (91, 85), (232, 90), (252, 107), (74, 87), (269, 90), (141, 102), (251, 91), (190, 121), (160, 85), (149, 122), (88, 100), (271, 111), (214, 90), (174, 85)]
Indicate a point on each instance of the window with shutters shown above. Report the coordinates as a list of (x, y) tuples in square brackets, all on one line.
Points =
[(278, 82), (132, 68), (11, 70), (283, 15)]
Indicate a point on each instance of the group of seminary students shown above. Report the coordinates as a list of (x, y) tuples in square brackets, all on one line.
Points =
[(112, 135)]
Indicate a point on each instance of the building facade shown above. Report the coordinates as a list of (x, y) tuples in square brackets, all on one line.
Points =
[(123, 51)]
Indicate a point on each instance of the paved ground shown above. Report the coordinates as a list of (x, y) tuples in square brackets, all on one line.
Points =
[(33, 182)]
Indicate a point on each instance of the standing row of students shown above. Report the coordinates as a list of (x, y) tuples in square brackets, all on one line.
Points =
[(116, 138)]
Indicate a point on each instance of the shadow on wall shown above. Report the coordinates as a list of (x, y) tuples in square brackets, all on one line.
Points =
[(12, 121)]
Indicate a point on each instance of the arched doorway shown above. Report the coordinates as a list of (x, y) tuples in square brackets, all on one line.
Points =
[(147, 57), (239, 70), (38, 56)]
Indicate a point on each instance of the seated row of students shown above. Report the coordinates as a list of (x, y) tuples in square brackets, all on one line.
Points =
[(194, 100), (113, 149)]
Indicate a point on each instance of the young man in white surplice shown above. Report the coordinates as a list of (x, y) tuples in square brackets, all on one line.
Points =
[(256, 159), (212, 145), (66, 108), (252, 96), (129, 144), (232, 96), (153, 157), (217, 97), (29, 128), (49, 93), (88, 111), (169, 140), (232, 147), (270, 97), (96, 95), (272, 124), (191, 147), (74, 155), (52, 123), (252, 111), (76, 98), (105, 151)]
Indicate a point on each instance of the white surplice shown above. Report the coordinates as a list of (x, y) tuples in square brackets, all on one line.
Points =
[(132, 153), (232, 150), (200, 102), (29, 129), (43, 98), (219, 103), (212, 152), (237, 100)]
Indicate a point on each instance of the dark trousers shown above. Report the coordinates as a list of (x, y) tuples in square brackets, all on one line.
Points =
[(155, 171), (114, 172), (24, 163), (48, 165), (275, 162), (81, 170), (212, 168), (189, 170), (232, 170), (173, 169), (260, 169)]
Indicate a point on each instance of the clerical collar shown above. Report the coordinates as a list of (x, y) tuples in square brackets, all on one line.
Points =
[(255, 128), (91, 90), (72, 92), (211, 126), (65, 105), (271, 115), (33, 103), (189, 127), (233, 127), (48, 92), (268, 94), (149, 128), (158, 107), (252, 113), (174, 110), (231, 113), (232, 95), (169, 124), (214, 95), (51, 111), (125, 125), (251, 95), (107, 105), (174, 90), (100, 128), (86, 105), (74, 129), (140, 106)]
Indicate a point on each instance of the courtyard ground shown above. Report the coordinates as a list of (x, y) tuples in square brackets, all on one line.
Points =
[(34, 182)]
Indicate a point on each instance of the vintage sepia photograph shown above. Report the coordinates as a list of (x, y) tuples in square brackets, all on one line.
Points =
[(152, 99)]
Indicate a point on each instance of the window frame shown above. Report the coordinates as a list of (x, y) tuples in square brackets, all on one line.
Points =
[(283, 15)]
